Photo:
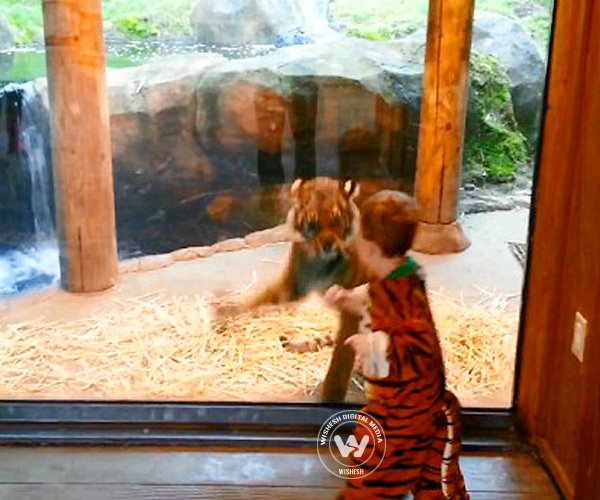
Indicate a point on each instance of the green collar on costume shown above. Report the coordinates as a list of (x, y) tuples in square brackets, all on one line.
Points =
[(408, 267)]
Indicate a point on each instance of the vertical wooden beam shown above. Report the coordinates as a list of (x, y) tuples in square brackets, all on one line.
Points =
[(443, 116), (81, 149)]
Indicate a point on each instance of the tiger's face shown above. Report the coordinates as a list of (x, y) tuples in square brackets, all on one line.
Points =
[(324, 222), (324, 218)]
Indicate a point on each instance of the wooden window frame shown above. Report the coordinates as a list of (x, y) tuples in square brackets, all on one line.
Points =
[(66, 422), (208, 424)]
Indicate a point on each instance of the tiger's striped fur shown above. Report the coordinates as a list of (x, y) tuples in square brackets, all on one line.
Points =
[(323, 222), (419, 416)]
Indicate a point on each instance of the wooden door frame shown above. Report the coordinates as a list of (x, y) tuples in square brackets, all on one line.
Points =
[(566, 177)]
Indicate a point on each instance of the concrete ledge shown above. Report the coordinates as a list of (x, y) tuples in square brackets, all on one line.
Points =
[(270, 236), (436, 239)]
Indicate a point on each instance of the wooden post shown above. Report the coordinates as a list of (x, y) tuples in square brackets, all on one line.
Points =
[(81, 149), (443, 115)]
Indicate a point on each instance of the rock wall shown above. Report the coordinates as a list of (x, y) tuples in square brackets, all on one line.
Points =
[(203, 145)]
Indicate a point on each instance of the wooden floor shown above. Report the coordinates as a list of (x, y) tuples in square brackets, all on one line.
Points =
[(144, 473)]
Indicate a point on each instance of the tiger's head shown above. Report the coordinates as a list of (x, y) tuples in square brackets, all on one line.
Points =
[(324, 218)]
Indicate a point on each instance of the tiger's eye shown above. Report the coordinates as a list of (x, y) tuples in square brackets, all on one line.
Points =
[(336, 223), (311, 229)]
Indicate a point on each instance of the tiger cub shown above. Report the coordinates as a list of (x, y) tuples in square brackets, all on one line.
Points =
[(323, 222)]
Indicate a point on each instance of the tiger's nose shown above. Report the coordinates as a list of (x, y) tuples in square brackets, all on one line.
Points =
[(329, 246), (330, 251)]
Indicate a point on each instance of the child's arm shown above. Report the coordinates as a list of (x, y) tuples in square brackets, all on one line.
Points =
[(354, 301)]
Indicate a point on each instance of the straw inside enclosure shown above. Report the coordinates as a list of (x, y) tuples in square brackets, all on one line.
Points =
[(160, 347)]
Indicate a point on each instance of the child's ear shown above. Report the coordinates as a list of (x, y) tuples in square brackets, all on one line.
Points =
[(351, 188)]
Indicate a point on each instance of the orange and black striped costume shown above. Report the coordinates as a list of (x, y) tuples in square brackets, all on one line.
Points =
[(419, 416)]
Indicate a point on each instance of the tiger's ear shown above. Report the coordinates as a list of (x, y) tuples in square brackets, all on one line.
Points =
[(351, 188), (296, 187)]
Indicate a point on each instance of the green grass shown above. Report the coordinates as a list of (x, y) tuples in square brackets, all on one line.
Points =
[(145, 18), (372, 19), (137, 27), (24, 17), (387, 19), (135, 18), (380, 19)]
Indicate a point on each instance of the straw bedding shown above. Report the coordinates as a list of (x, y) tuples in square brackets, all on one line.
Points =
[(160, 347)]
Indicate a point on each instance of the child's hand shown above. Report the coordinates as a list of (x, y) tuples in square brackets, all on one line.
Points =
[(370, 353), (334, 297), (350, 301)]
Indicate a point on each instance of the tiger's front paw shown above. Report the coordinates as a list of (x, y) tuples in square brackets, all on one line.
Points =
[(303, 345), (225, 310)]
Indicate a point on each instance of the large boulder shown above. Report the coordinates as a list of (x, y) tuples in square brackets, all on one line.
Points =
[(158, 166), (201, 143), (6, 36), (274, 22), (239, 22), (350, 107), (507, 40), (152, 118)]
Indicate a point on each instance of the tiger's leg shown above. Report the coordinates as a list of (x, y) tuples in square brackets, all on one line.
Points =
[(280, 290), (277, 292), (335, 385), (442, 477), (338, 375)]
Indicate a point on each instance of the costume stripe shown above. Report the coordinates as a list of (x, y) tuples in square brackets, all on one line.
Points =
[(419, 417)]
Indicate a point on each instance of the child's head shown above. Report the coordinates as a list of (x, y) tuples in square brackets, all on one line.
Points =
[(389, 220)]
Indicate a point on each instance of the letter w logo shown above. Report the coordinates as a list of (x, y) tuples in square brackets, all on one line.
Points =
[(351, 445)]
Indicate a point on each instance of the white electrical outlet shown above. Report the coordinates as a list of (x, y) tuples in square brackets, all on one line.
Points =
[(579, 333)]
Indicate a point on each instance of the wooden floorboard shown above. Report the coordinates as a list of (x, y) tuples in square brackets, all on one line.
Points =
[(166, 492), (136, 474)]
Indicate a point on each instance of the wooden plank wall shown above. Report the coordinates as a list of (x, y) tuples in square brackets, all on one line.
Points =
[(559, 398)]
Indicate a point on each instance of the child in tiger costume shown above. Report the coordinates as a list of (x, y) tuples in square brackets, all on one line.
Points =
[(398, 353)]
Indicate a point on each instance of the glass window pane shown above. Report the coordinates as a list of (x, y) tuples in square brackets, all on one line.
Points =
[(215, 109)]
